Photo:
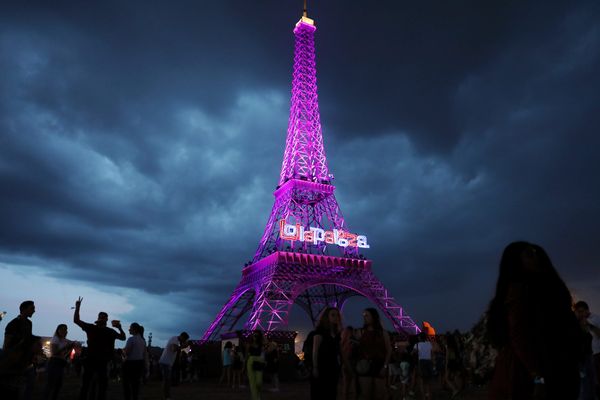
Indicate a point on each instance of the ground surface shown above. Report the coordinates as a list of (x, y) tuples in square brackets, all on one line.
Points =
[(210, 390)]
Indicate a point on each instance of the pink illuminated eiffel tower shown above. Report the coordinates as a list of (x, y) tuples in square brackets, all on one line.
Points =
[(307, 255)]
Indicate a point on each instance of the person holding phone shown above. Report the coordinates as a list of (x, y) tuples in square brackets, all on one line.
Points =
[(167, 359), (101, 347)]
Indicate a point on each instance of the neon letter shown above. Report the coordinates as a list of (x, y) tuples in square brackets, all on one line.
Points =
[(318, 235), (341, 240), (361, 241), (351, 239), (329, 237), (309, 236), (287, 232)]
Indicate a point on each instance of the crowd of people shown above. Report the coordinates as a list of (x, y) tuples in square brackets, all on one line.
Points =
[(369, 363), (21, 349), (534, 342), (542, 345)]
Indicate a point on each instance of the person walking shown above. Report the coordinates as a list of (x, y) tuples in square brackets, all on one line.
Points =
[(326, 355), (531, 324), (133, 367), (100, 351), (60, 348), (374, 350), (167, 359)]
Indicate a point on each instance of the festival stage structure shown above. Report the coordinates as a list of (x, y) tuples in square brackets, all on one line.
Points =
[(307, 254)]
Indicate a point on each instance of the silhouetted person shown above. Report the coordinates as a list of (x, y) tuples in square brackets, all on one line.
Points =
[(453, 364), (531, 323), (167, 359), (60, 348), (272, 364), (227, 362), (255, 365), (594, 325), (236, 368), (424, 372), (133, 367), (100, 351), (17, 370), (586, 367), (348, 352), (374, 351), (326, 355)]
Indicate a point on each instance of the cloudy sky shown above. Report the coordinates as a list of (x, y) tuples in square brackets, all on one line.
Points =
[(140, 143)]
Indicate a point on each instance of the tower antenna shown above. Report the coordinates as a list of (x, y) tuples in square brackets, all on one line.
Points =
[(305, 13)]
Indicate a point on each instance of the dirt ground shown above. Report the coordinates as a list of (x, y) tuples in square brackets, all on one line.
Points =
[(210, 390)]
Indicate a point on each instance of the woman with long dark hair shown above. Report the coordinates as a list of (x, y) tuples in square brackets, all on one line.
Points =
[(531, 323), (60, 347), (374, 350), (326, 355)]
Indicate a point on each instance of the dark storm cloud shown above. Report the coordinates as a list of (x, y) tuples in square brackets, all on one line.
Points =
[(108, 177), (421, 53), (521, 167), (139, 143)]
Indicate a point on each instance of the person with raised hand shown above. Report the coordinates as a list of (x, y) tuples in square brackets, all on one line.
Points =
[(101, 347)]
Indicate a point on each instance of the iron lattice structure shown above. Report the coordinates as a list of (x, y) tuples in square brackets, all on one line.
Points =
[(304, 152), (284, 272)]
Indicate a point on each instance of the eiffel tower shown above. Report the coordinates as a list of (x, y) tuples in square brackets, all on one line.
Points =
[(307, 255)]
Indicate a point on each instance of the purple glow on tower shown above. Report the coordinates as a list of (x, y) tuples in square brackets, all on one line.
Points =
[(304, 156), (305, 193), (284, 272)]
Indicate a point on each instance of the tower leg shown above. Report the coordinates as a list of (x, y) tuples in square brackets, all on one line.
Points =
[(238, 304), (271, 308)]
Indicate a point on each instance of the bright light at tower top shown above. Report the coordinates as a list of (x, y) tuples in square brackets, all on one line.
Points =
[(305, 18)]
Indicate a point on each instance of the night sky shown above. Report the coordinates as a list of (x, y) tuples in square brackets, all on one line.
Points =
[(140, 143)]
